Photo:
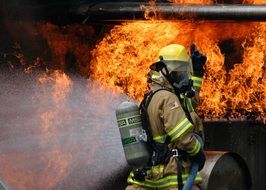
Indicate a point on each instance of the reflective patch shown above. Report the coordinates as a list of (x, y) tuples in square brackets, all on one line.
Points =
[(173, 105)]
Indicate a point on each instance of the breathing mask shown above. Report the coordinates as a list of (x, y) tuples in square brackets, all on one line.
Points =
[(177, 74)]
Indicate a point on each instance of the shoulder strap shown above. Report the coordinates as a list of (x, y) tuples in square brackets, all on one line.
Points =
[(185, 109), (144, 113), (147, 97), (182, 102)]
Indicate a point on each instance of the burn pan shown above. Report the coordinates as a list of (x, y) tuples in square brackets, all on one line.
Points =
[(246, 138)]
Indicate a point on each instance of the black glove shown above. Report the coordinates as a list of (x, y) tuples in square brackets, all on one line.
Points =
[(198, 61), (139, 174), (199, 158)]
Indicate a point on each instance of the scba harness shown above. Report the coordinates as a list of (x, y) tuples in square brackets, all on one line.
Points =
[(159, 152), (147, 154)]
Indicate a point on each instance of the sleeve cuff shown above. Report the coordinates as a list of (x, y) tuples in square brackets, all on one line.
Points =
[(197, 81), (195, 149)]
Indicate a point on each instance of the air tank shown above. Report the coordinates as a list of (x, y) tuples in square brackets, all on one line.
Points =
[(132, 134), (2, 186)]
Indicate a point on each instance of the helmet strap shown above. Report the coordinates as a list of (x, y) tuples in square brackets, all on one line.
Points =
[(178, 89)]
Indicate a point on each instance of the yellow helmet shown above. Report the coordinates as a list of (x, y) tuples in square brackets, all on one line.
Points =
[(173, 67), (174, 52)]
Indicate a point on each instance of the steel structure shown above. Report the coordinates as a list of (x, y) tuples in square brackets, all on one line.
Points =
[(117, 11)]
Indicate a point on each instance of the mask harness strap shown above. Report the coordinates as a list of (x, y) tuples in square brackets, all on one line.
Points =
[(144, 106), (175, 152), (178, 94), (152, 146)]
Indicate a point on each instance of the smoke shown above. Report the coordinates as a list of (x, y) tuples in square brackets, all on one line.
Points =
[(59, 132)]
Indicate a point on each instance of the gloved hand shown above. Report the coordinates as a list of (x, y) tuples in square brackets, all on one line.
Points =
[(198, 61), (139, 174), (199, 158)]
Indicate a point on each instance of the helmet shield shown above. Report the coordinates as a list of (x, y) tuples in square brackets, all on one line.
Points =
[(173, 71), (179, 77), (173, 68), (173, 65)]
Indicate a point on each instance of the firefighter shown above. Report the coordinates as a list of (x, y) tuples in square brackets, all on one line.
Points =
[(173, 125)]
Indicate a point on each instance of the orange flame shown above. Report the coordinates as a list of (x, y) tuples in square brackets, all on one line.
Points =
[(68, 40), (122, 59), (150, 12), (61, 85), (234, 82), (192, 1)]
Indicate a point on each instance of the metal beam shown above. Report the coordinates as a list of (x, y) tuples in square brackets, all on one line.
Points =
[(119, 11)]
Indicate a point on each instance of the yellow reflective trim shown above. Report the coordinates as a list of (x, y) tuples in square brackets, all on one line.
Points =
[(157, 169), (182, 131), (163, 182), (196, 78), (195, 149), (177, 127), (197, 85), (160, 138), (175, 132), (197, 81), (190, 106)]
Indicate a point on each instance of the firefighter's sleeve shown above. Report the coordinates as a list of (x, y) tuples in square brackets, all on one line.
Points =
[(193, 102), (197, 82), (178, 127)]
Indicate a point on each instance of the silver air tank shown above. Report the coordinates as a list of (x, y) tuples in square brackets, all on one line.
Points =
[(132, 134), (2, 186)]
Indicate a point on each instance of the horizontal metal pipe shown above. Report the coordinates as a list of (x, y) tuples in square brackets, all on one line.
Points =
[(118, 11)]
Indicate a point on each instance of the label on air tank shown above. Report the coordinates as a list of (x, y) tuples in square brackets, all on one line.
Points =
[(134, 136), (129, 140), (122, 122), (129, 121)]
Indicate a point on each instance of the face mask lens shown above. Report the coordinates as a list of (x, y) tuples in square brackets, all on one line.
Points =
[(157, 66), (178, 76)]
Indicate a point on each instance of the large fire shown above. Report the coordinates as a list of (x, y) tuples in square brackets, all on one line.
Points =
[(122, 59), (234, 82)]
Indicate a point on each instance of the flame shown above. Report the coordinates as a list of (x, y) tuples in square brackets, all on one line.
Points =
[(234, 82), (56, 158), (192, 1), (150, 11), (122, 59), (62, 84), (247, 80), (70, 40), (37, 163)]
